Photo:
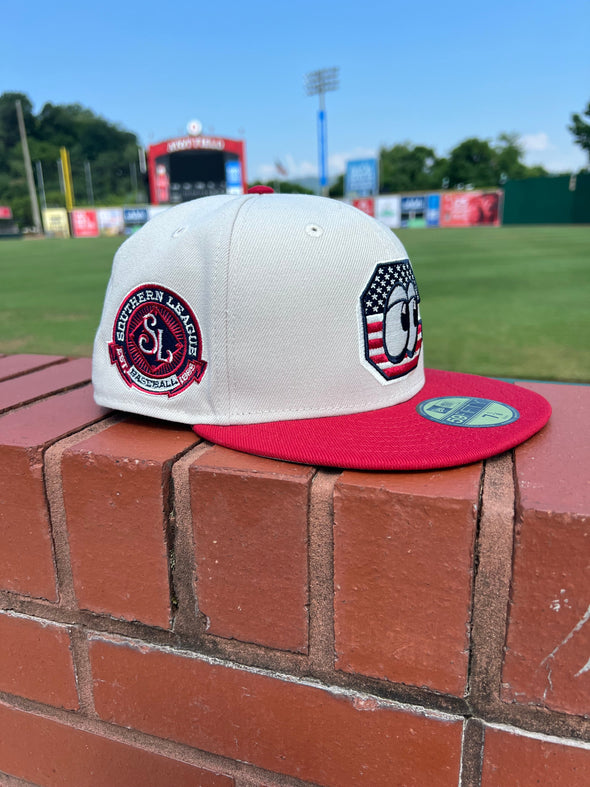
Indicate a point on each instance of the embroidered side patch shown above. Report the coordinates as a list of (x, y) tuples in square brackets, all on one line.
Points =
[(157, 343), (391, 320)]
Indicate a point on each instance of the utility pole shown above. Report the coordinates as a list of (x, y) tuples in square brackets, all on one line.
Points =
[(89, 189), (318, 83), (41, 184), (28, 168)]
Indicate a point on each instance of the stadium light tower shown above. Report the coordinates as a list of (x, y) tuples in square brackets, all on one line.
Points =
[(318, 83)]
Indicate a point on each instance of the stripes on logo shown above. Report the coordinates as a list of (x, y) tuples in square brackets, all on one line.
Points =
[(377, 354)]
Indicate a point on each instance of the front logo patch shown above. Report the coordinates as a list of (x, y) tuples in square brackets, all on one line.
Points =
[(391, 320), (468, 411), (157, 342)]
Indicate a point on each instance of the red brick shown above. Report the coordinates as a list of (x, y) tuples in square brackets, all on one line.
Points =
[(13, 365), (52, 754), (300, 729), (36, 661), (512, 760), (35, 385), (26, 557), (548, 642), (250, 528), (115, 487), (403, 549)]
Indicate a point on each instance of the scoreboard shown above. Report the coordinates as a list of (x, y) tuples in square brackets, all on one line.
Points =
[(188, 167)]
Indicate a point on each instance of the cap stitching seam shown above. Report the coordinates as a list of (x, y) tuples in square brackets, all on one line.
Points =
[(227, 296)]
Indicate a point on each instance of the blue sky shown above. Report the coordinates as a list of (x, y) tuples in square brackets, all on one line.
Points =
[(430, 73)]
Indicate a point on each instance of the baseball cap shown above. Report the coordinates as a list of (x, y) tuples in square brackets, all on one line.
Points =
[(289, 326)]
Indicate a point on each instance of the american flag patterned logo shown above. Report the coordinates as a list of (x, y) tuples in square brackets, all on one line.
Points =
[(391, 319)]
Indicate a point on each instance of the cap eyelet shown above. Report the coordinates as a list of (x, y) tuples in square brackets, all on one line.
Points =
[(314, 231)]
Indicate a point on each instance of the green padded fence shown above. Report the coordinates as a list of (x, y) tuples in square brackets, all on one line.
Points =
[(563, 199)]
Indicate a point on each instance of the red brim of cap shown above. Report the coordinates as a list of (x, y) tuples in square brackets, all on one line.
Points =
[(397, 437)]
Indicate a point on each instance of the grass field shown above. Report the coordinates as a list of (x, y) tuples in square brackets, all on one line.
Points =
[(506, 302)]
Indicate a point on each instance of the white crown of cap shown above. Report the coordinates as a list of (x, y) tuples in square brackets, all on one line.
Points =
[(275, 283)]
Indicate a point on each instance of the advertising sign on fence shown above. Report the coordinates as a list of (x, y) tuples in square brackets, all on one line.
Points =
[(134, 218), (433, 210), (5, 212), (413, 211), (110, 220), (470, 208), (366, 204), (388, 211), (55, 222), (84, 223)]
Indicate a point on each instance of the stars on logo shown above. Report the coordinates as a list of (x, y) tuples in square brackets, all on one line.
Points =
[(387, 276)]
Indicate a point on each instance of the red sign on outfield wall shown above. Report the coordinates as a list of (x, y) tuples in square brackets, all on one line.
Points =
[(470, 208), (366, 204), (5, 212), (84, 224)]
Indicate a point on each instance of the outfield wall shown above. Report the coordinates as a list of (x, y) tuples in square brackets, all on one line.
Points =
[(552, 200), (555, 200)]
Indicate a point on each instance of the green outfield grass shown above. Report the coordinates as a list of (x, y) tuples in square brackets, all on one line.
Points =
[(506, 302)]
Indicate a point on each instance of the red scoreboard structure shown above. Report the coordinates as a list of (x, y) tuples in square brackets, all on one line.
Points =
[(194, 166)]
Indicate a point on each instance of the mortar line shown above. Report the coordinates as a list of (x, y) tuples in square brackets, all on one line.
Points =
[(186, 621), (476, 559), (52, 477), (82, 670), (492, 583), (321, 571), (472, 746), (172, 489)]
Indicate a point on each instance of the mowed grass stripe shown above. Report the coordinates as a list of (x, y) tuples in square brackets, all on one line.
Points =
[(506, 302)]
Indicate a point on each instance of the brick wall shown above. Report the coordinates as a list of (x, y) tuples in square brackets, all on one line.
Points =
[(174, 613)]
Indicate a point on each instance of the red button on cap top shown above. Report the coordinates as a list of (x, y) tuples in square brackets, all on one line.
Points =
[(261, 190)]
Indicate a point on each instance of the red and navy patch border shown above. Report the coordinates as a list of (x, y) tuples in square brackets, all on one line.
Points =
[(157, 344)]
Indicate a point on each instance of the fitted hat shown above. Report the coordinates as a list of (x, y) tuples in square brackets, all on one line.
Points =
[(289, 326)]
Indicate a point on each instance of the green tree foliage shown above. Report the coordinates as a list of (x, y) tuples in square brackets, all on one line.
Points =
[(337, 188), (484, 164), (472, 161), (580, 128), (475, 162), (405, 167), (94, 144)]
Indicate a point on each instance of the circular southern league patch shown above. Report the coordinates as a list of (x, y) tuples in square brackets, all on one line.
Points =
[(157, 344)]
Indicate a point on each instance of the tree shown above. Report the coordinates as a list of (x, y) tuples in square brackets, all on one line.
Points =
[(483, 164), (472, 161), (405, 167), (337, 188), (581, 129), (109, 150), (507, 163)]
